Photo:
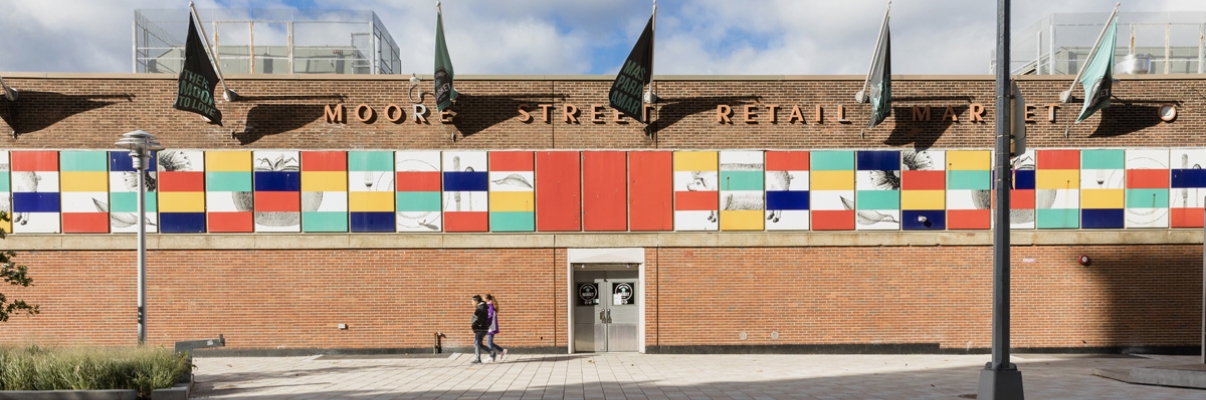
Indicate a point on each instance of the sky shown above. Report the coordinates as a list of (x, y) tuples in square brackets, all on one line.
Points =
[(694, 37)]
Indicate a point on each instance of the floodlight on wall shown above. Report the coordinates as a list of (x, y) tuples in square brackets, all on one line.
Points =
[(414, 83)]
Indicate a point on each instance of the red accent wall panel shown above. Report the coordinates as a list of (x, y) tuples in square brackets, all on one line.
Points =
[(1147, 178), (510, 161), (924, 180), (409, 181), (1058, 159), (969, 219), (181, 181), (324, 161), (605, 190), (86, 222), (42, 161), (277, 202), (787, 161), (830, 220), (651, 183), (466, 221), (558, 191), (231, 221), (697, 201)]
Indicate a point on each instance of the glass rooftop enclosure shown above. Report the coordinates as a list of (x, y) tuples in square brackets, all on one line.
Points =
[(1161, 42), (269, 41)]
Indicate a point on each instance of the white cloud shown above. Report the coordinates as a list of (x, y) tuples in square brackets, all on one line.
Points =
[(559, 37)]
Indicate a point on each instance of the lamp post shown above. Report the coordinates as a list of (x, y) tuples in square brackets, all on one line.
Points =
[(141, 144)]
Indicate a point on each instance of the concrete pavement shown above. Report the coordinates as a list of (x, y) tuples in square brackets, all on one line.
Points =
[(654, 376)]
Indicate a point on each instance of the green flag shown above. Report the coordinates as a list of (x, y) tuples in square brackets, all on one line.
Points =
[(1098, 77), (444, 91), (880, 91)]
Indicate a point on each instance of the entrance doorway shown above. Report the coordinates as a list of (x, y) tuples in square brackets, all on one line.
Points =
[(606, 310)]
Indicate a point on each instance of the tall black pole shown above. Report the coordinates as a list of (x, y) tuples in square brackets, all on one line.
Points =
[(1001, 379)]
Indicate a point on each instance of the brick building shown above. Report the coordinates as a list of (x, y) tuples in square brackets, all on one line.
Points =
[(753, 214)]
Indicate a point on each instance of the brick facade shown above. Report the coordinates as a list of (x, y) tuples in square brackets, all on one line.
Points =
[(1145, 295)]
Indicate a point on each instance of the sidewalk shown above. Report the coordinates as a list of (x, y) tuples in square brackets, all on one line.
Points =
[(652, 376)]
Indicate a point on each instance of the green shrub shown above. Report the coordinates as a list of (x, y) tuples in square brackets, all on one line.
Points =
[(141, 368)]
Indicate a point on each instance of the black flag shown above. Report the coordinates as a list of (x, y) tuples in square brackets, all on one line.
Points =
[(197, 79), (626, 92), (881, 81)]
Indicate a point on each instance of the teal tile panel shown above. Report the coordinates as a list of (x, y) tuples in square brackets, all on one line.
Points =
[(370, 161)]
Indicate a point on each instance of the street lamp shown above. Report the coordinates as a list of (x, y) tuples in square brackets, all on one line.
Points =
[(141, 144)]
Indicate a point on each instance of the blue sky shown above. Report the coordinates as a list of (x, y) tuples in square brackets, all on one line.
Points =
[(695, 37)]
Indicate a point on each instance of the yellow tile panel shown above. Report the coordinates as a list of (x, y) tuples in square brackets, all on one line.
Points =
[(84, 181), (512, 201), (923, 199), (741, 220), (370, 201), (1057, 179), (832, 180), (1102, 198), (324, 181), (181, 201), (696, 161), (228, 161), (968, 160)]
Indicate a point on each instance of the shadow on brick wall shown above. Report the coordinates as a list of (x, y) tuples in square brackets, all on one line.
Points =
[(29, 114), (673, 110), (921, 134), (272, 119), (470, 118), (1122, 119)]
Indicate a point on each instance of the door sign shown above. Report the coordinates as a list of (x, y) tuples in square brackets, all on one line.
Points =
[(623, 294), (588, 294)]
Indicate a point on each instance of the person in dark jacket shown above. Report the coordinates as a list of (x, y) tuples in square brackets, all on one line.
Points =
[(480, 324)]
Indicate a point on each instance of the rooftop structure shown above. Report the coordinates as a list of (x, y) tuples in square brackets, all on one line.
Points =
[(1170, 42), (269, 41)]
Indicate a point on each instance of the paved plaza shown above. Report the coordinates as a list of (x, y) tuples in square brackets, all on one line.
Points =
[(654, 376)]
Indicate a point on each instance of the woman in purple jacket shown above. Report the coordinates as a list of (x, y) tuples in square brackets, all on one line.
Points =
[(492, 306)]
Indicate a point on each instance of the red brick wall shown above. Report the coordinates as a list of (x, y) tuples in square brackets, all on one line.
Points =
[(92, 113), (275, 299)]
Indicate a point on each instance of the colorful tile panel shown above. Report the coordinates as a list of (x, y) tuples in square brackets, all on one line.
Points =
[(1102, 191), (558, 191), (968, 189), (181, 191), (742, 205), (229, 192), (1057, 189), (878, 190), (123, 193), (1187, 180), (787, 200), (277, 179), (512, 191), (325, 183), (6, 193), (604, 191), (832, 190), (85, 191), (372, 198), (651, 190), (1147, 188), (696, 197), (418, 197), (923, 190), (466, 192), (1022, 197), (35, 185)]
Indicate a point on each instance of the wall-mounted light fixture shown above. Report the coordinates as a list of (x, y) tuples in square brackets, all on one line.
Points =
[(1084, 260)]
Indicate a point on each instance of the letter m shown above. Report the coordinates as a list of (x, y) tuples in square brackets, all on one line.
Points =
[(335, 115), (920, 114)]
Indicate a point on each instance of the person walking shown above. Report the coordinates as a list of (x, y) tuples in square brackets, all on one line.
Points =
[(480, 325), (492, 308)]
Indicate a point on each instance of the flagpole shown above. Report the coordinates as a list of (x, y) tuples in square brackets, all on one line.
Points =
[(1066, 95), (861, 96), (227, 94), (652, 97), (10, 94)]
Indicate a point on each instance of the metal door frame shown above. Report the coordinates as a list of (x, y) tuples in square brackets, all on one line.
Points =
[(630, 256)]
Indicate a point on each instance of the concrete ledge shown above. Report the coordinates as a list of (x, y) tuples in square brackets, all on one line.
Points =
[(268, 241), (178, 392), (1187, 376), (124, 394)]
